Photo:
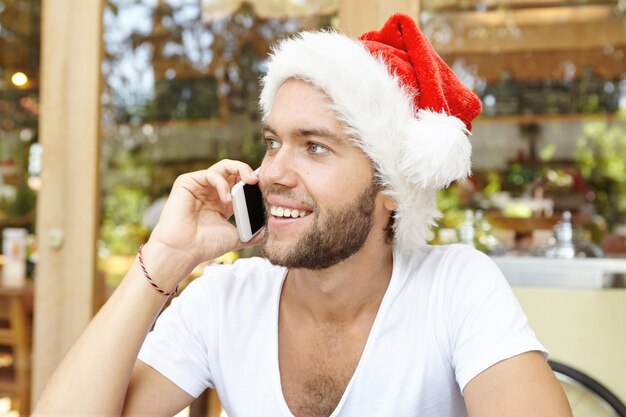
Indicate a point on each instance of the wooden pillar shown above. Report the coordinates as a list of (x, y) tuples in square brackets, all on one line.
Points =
[(359, 16), (67, 209)]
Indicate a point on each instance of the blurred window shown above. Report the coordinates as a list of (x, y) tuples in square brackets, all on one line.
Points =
[(552, 79), (20, 153), (181, 84)]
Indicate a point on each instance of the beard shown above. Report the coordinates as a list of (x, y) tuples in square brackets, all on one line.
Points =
[(333, 236)]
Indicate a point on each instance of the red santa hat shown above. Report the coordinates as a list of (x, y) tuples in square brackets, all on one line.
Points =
[(401, 104)]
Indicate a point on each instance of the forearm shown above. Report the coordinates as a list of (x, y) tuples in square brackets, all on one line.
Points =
[(94, 375)]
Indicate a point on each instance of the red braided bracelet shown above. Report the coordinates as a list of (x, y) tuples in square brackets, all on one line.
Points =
[(154, 284)]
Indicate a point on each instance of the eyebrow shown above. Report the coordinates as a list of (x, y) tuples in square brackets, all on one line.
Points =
[(320, 132)]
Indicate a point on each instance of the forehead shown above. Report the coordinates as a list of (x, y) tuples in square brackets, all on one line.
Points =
[(302, 102), (301, 97)]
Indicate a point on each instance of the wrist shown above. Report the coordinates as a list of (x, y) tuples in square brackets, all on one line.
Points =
[(149, 278), (166, 267)]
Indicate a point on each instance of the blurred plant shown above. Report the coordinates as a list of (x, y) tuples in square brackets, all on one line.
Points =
[(122, 231), (601, 158), (449, 204), (519, 175), (25, 200), (493, 185), (557, 179)]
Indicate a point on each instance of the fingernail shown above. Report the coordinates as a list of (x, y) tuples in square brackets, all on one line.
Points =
[(229, 197)]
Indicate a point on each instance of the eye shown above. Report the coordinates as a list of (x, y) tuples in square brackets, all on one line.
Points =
[(271, 143), (317, 149)]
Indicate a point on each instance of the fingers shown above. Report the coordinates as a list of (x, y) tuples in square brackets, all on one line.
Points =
[(226, 173), (240, 170), (223, 175)]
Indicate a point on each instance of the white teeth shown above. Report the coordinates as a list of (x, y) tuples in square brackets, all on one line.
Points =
[(285, 212)]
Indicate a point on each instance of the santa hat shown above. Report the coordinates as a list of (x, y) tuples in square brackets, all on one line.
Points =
[(401, 103)]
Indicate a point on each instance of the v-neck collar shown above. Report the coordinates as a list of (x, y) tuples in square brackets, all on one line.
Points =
[(391, 291)]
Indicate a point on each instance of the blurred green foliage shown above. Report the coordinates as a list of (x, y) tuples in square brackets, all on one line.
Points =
[(122, 231), (450, 206), (601, 158)]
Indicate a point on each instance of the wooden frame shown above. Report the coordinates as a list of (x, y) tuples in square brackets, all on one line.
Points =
[(357, 17), (68, 203)]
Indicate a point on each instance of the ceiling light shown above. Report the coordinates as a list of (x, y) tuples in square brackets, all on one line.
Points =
[(19, 79)]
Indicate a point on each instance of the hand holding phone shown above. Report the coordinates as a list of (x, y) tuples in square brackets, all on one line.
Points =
[(249, 209)]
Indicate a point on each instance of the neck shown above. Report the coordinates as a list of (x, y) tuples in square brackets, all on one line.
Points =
[(344, 292)]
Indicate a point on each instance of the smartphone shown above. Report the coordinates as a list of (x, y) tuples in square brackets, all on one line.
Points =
[(249, 209)]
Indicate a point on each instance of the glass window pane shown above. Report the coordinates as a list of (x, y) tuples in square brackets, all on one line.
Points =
[(552, 136), (180, 93), (20, 153)]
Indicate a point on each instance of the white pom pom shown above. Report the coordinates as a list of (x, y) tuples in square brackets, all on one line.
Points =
[(436, 151)]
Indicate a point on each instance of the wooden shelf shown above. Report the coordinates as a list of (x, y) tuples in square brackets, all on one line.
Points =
[(522, 225), (528, 225)]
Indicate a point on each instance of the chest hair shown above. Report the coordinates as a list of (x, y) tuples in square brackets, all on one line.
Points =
[(315, 375)]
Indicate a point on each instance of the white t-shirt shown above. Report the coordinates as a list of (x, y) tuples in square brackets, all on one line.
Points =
[(447, 315)]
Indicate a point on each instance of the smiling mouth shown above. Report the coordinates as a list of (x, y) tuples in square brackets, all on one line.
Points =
[(278, 211)]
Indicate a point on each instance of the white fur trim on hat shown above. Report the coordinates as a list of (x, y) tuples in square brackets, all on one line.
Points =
[(414, 152)]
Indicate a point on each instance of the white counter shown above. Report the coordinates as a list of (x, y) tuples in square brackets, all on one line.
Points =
[(590, 273)]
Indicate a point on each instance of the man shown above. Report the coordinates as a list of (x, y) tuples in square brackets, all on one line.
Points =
[(350, 314)]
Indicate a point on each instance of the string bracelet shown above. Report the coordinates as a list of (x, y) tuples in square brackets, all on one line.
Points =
[(150, 280)]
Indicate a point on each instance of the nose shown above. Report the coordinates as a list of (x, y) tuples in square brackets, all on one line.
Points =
[(278, 168)]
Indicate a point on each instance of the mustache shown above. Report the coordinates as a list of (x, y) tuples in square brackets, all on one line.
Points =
[(280, 190)]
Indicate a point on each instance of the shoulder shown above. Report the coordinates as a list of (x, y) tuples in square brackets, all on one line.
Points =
[(450, 262), (463, 260), (455, 253), (454, 275)]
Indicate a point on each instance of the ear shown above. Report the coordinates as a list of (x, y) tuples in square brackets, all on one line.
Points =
[(389, 203)]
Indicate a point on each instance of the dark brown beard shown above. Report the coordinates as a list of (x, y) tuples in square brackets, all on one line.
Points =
[(334, 236)]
